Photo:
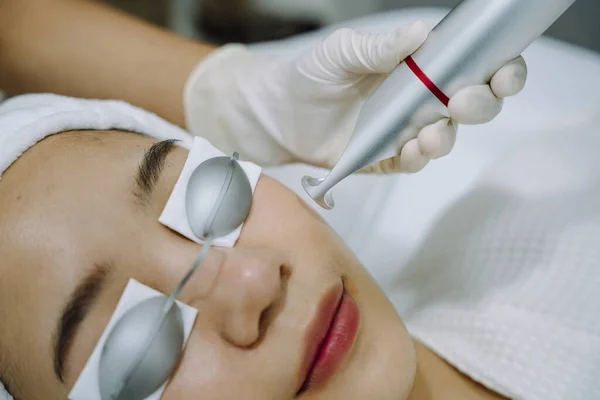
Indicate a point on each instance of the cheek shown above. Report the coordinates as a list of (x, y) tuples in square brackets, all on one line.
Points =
[(280, 218), (202, 373), (385, 352), (211, 370)]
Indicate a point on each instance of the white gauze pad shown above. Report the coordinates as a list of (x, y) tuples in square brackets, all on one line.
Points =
[(87, 386), (174, 214)]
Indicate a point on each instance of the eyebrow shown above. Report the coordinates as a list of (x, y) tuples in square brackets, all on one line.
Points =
[(150, 169), (80, 303)]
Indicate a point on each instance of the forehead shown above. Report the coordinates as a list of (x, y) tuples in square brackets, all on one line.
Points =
[(64, 175), (66, 164), (56, 154), (61, 195), (59, 187), (65, 191)]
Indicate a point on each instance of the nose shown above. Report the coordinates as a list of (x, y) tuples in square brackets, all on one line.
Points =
[(248, 290)]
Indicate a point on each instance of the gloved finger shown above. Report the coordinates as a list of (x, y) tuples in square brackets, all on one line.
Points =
[(384, 167), (475, 105), (411, 159), (437, 140), (351, 52), (510, 79)]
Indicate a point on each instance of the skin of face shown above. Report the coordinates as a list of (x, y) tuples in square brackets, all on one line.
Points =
[(67, 206)]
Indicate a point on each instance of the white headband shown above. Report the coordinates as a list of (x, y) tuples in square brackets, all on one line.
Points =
[(26, 120)]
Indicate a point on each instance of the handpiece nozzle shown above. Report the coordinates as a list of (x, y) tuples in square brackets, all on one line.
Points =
[(318, 192)]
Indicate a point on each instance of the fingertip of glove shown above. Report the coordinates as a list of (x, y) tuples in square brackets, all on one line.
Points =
[(475, 105), (510, 80), (417, 32), (418, 26), (411, 37), (411, 160), (437, 140)]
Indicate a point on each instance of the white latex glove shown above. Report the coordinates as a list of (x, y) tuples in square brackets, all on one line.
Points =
[(276, 111)]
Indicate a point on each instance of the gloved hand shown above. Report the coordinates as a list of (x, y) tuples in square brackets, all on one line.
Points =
[(275, 111)]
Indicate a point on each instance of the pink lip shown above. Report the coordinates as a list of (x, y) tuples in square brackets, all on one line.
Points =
[(330, 338)]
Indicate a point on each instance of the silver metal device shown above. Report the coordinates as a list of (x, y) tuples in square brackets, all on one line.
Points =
[(218, 212), (144, 347), (466, 48)]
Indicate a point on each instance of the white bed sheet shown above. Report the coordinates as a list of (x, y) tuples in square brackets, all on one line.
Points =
[(384, 219)]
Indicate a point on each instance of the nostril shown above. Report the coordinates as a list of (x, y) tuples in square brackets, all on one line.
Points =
[(269, 314), (266, 317), (284, 272)]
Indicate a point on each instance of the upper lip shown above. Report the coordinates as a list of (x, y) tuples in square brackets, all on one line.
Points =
[(318, 329)]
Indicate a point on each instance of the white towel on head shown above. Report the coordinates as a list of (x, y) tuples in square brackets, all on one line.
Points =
[(25, 120)]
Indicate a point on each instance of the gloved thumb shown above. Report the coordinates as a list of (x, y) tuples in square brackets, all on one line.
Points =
[(347, 52)]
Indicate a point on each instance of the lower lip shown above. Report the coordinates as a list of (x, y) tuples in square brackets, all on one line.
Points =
[(336, 346)]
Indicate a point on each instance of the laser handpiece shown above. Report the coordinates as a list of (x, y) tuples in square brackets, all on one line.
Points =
[(466, 48)]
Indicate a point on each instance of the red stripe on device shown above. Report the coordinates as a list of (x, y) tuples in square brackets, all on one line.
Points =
[(441, 96)]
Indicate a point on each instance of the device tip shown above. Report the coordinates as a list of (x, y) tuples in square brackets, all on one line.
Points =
[(311, 186)]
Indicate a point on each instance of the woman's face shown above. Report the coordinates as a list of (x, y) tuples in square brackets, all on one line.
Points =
[(73, 223)]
